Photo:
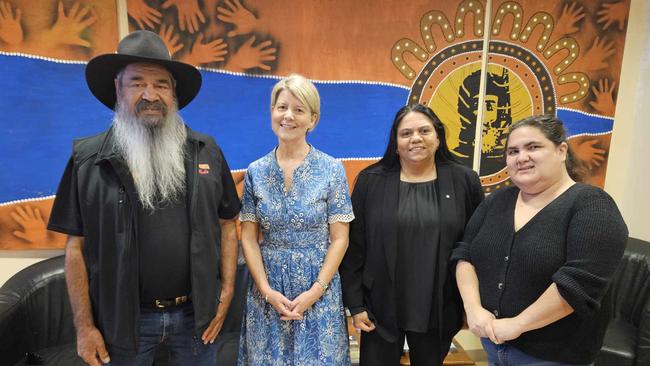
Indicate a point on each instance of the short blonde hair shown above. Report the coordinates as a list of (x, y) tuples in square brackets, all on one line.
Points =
[(301, 88)]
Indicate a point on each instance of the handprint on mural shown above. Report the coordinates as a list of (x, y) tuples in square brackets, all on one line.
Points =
[(611, 13), (24, 226), (206, 53), (143, 14), (69, 28), (189, 14), (604, 103), (171, 39), (242, 22), (11, 31), (215, 40), (589, 152), (596, 56), (569, 18), (242, 19), (249, 56), (589, 149), (33, 226)]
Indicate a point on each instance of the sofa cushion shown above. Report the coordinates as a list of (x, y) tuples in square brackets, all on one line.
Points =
[(34, 311), (619, 345), (64, 355)]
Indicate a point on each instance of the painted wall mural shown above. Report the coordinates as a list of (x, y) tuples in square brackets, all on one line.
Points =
[(367, 58)]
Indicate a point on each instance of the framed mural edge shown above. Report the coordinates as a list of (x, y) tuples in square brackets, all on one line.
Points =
[(366, 58)]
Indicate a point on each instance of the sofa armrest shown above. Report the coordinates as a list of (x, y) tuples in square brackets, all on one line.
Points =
[(643, 337), (35, 311), (12, 346)]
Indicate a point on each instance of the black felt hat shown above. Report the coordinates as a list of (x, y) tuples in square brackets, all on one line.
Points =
[(140, 46)]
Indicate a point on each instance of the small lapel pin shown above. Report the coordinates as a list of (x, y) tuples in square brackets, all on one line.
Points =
[(446, 196), (204, 168)]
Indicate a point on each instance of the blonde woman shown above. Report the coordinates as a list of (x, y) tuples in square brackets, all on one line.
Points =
[(296, 210)]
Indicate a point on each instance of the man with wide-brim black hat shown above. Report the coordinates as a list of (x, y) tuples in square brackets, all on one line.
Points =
[(149, 208)]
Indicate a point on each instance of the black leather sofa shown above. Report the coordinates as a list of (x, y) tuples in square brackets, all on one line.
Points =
[(35, 317), (627, 340), (36, 320)]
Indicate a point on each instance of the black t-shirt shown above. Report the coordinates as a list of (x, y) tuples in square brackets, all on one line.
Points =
[(96, 200), (163, 246)]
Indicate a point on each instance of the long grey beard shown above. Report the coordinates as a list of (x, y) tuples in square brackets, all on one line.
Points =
[(154, 153)]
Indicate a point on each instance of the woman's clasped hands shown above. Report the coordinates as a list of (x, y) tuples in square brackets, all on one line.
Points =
[(484, 324), (293, 309)]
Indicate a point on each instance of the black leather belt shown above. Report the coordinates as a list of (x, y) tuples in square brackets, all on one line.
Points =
[(167, 303)]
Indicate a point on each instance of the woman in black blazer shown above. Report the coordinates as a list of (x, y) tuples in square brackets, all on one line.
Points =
[(411, 207)]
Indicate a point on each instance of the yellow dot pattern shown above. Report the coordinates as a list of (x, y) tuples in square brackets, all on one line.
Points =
[(476, 9), (428, 21), (566, 43), (578, 78), (540, 18), (403, 46), (509, 7)]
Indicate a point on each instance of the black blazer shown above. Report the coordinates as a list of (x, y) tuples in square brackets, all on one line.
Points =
[(368, 268)]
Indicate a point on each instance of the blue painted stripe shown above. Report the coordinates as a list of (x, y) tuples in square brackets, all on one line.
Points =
[(45, 105), (577, 122)]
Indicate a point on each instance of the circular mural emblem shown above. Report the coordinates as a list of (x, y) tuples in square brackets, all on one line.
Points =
[(518, 85)]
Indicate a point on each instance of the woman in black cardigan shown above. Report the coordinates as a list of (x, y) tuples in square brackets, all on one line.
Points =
[(537, 258), (410, 207)]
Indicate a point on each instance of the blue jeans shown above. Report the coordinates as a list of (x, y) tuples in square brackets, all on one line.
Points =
[(174, 327), (506, 355)]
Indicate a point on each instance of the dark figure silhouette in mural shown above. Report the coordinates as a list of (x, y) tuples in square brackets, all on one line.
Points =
[(496, 119), (149, 208)]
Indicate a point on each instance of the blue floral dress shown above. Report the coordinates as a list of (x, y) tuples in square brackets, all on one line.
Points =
[(295, 228)]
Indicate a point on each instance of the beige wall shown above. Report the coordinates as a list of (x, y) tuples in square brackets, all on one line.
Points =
[(12, 261), (628, 170)]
